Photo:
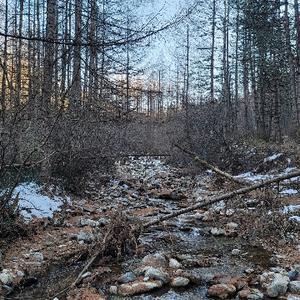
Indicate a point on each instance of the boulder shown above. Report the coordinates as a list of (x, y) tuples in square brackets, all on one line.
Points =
[(275, 284), (221, 291)]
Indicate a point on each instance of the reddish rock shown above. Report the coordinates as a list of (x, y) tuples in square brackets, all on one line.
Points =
[(239, 282), (221, 291), (139, 287)]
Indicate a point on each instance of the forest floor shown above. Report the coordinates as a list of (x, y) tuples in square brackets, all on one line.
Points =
[(247, 248)]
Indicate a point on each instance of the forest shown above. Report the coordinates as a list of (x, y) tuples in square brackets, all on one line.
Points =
[(149, 149)]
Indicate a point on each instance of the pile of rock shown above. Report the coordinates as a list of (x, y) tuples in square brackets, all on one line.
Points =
[(155, 271), (273, 284)]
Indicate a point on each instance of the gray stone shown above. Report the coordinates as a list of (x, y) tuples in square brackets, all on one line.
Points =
[(236, 252), (113, 290), (127, 277), (232, 226), (275, 284), (180, 282), (217, 231), (38, 256), (103, 221), (294, 286), (20, 274), (85, 237), (88, 222), (6, 277), (157, 274), (174, 264), (155, 260)]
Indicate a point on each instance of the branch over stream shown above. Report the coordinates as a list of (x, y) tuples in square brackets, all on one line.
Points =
[(223, 197)]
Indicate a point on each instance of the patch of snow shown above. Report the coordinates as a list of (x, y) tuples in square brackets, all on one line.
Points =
[(290, 208), (295, 218), (272, 157), (33, 203), (250, 176), (287, 192)]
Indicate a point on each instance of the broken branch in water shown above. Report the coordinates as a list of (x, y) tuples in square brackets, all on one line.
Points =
[(215, 169), (223, 197)]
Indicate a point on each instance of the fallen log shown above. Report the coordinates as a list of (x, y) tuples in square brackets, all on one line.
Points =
[(215, 169), (223, 197)]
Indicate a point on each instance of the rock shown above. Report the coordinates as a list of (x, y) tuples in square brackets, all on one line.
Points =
[(113, 290), (88, 222), (221, 291), (38, 256), (249, 271), (275, 284), (20, 274), (217, 231), (180, 282), (236, 252), (127, 277), (129, 289), (103, 221), (85, 237), (229, 212), (6, 277), (294, 286), (293, 274), (207, 216), (193, 278), (174, 264), (232, 226), (239, 282), (155, 260), (293, 297), (157, 274), (251, 294)]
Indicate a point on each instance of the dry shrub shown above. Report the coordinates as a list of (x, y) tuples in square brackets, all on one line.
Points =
[(121, 236)]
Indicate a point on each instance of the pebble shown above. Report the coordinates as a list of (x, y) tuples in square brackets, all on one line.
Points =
[(236, 252), (38, 256)]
